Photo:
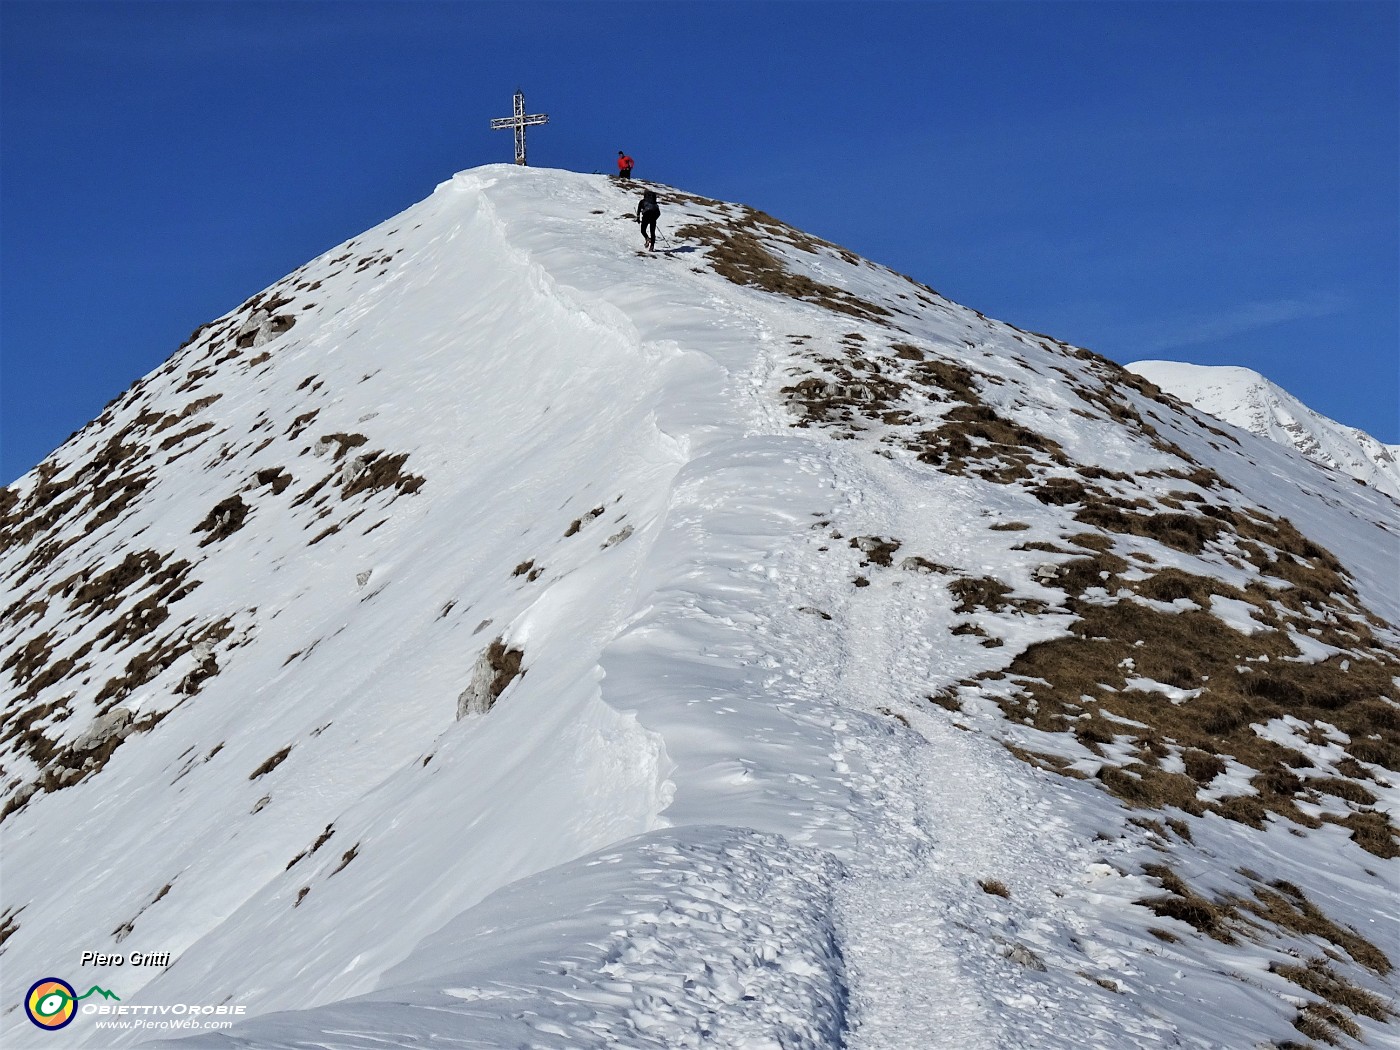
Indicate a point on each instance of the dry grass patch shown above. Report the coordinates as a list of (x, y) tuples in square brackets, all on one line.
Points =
[(275, 478), (1042, 760), (381, 472), (578, 523), (9, 923), (1184, 532), (1182, 903), (1080, 574), (1326, 1023), (954, 381), (1063, 492), (1320, 979), (867, 386), (271, 763), (1280, 909), (948, 700), (505, 664), (979, 592), (1283, 905), (1239, 681), (166, 586), (1371, 830), (973, 438), (345, 859), (223, 520), (876, 550), (738, 253)]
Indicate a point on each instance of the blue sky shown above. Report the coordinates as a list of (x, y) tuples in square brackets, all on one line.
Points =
[(1211, 182)]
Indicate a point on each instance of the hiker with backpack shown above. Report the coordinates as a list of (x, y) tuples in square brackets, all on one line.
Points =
[(648, 211), (624, 165)]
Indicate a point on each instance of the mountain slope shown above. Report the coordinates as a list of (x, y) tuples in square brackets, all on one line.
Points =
[(492, 635), (1245, 398)]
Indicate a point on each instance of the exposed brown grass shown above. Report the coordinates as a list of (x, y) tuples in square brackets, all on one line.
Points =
[(953, 380), (877, 550), (867, 386), (1244, 680), (271, 763), (948, 700), (223, 520), (1280, 908), (1062, 492), (1182, 903), (1284, 905), (1320, 979), (343, 443), (1184, 532), (979, 592), (1326, 1023), (505, 661), (382, 472), (738, 253), (275, 478), (9, 923), (973, 438), (579, 522), (345, 859), (846, 400), (321, 840)]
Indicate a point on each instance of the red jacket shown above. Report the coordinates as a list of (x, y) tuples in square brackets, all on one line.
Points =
[(623, 163)]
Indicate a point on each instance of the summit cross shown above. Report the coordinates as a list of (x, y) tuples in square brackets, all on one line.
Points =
[(519, 122)]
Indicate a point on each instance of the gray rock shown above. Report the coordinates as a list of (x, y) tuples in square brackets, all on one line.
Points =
[(1019, 953), (476, 698), (260, 327), (495, 669), (352, 470), (618, 537), (255, 330), (116, 722)]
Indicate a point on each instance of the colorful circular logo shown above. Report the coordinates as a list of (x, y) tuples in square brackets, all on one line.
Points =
[(51, 1003)]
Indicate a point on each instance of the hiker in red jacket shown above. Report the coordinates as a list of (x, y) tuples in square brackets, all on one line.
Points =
[(624, 165)]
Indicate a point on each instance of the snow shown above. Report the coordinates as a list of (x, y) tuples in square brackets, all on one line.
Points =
[(717, 808), (1173, 693), (1235, 614)]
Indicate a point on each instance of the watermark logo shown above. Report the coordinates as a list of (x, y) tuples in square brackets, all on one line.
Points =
[(52, 1003)]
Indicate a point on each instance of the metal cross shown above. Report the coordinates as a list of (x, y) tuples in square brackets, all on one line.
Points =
[(519, 122)]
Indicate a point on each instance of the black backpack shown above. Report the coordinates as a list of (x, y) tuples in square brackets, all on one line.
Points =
[(651, 207)]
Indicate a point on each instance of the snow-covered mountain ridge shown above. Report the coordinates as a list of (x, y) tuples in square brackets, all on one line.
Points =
[(1243, 397), (491, 635)]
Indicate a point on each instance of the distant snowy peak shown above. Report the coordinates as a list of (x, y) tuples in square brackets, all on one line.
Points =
[(1246, 399)]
